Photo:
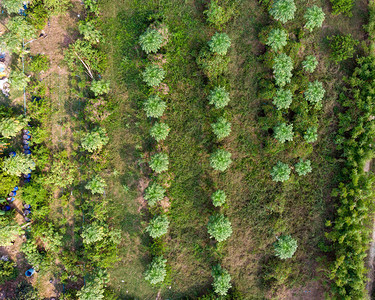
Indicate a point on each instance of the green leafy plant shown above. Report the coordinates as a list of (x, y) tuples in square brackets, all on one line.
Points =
[(92, 6), (160, 131), (342, 47), (303, 167), (280, 172), (9, 127), (96, 185), (93, 233), (57, 7), (220, 160), (154, 106), (219, 227), (283, 98), (277, 39), (158, 226), (283, 10), (156, 271), (222, 280), (219, 43), (282, 69), (315, 93), (37, 14), (153, 75), (151, 41), (310, 63), (219, 97), (283, 132), (285, 247), (19, 164), (342, 7), (93, 289), (211, 64), (154, 193), (9, 230), (222, 128), (218, 198), (8, 270), (12, 6), (314, 17), (95, 139), (217, 15), (311, 134), (39, 63), (159, 162), (18, 80), (100, 87), (89, 31)]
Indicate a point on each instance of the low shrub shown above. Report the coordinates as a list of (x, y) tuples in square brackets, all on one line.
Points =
[(283, 10), (156, 271), (217, 15), (219, 43), (154, 106), (222, 280), (153, 75), (212, 65), (310, 63), (285, 247), (154, 193), (277, 39), (314, 17), (283, 132), (222, 128), (280, 172), (95, 140), (218, 198), (219, 227), (342, 47), (159, 162), (283, 98), (219, 97), (342, 7), (158, 226), (220, 160), (159, 131)]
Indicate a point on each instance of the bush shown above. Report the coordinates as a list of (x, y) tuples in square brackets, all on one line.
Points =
[(285, 247), (8, 270), (39, 63), (277, 39), (153, 75), (91, 290), (219, 43), (222, 280), (95, 139), (154, 193), (219, 97), (311, 134), (100, 87), (151, 41), (93, 233), (154, 106), (342, 47), (280, 172), (314, 17), (18, 80), (159, 162), (222, 128), (9, 230), (282, 69), (8, 182), (212, 65), (303, 167), (9, 127), (37, 14), (310, 63), (220, 160), (283, 98), (19, 164), (218, 15), (219, 227), (283, 10), (96, 185), (159, 131), (342, 7), (283, 132), (89, 32), (12, 6), (158, 226), (156, 271), (218, 198), (315, 93)]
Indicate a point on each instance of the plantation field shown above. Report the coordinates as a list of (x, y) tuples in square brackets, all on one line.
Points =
[(258, 208), (187, 149)]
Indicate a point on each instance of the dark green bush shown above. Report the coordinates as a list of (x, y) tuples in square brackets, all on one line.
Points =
[(342, 7), (39, 63), (342, 47)]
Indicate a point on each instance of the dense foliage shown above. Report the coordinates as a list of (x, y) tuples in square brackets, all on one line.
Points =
[(311, 134), (18, 80), (154, 193), (219, 43), (342, 7), (154, 106), (95, 139), (284, 132), (303, 167), (315, 93), (220, 160), (283, 10), (151, 41), (222, 280), (218, 198), (219, 97), (96, 185), (342, 47), (158, 226), (157, 270), (218, 15), (99, 87), (159, 162), (219, 227), (277, 39), (9, 127), (280, 172), (12, 6), (285, 247), (159, 131), (19, 164), (310, 63), (153, 75), (314, 17), (283, 98), (282, 69), (222, 128)]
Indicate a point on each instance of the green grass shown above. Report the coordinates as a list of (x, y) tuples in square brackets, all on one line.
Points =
[(258, 208)]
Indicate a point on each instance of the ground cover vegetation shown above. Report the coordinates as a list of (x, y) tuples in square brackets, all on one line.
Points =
[(196, 150)]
